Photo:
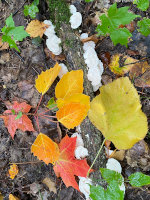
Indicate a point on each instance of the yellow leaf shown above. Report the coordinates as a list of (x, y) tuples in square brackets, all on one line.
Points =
[(117, 113), (45, 79), (1, 196), (12, 197), (36, 28), (45, 149), (75, 98), (72, 114), (13, 171), (71, 83)]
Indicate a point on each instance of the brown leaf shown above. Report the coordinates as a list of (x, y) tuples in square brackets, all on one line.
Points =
[(144, 80), (3, 45), (36, 28), (118, 155), (50, 184), (93, 38), (54, 57)]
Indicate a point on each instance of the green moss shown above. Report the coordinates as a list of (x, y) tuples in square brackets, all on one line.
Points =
[(69, 43), (59, 12)]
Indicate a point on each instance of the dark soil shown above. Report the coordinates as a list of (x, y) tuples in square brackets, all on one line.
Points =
[(18, 72)]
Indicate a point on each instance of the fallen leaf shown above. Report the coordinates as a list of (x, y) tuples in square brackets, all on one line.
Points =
[(117, 113), (13, 171), (45, 79), (75, 98), (36, 28), (45, 149), (93, 38), (12, 124), (121, 65), (50, 184), (12, 197), (67, 166), (71, 83), (144, 80), (54, 57), (3, 45), (1, 196), (72, 114), (118, 155)]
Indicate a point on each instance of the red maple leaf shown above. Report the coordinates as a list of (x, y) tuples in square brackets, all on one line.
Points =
[(23, 123), (67, 166)]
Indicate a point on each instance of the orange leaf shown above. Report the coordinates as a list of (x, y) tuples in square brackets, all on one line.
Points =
[(45, 149), (71, 83), (67, 167), (75, 98), (12, 197), (23, 123), (45, 79), (13, 171), (36, 28), (72, 114)]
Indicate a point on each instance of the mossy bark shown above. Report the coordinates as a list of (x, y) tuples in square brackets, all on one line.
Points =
[(74, 57)]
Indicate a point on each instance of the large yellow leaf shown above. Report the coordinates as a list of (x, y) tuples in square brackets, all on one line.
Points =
[(117, 113), (71, 83), (72, 114), (45, 149), (36, 28), (75, 98), (45, 79)]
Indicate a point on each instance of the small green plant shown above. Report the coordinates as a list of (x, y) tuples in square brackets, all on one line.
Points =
[(142, 4), (115, 180), (88, 1), (32, 9), (110, 24), (11, 33), (144, 26)]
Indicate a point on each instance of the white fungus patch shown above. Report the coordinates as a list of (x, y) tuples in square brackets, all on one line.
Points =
[(84, 186), (81, 152), (113, 164), (76, 17), (52, 42), (94, 65), (79, 141), (63, 70)]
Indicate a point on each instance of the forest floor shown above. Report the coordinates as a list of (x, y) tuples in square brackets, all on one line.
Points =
[(17, 78)]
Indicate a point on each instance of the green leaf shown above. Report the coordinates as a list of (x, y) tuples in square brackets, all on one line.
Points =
[(110, 175), (110, 24), (52, 104), (13, 111), (10, 21), (19, 115), (139, 179), (12, 44), (31, 10), (88, 1), (113, 192), (18, 33), (36, 2), (121, 36), (142, 4), (144, 26)]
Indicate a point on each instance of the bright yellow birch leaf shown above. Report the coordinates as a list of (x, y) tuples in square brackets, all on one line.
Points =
[(72, 114), (45, 149), (71, 83), (13, 171), (117, 113), (45, 79), (12, 197), (36, 28), (75, 98)]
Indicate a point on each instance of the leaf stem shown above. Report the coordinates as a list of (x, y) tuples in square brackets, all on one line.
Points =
[(96, 156), (39, 104), (48, 119)]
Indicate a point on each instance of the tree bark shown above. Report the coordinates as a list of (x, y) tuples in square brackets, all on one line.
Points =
[(74, 56)]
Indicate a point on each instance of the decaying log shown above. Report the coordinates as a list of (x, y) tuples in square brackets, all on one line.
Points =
[(74, 56)]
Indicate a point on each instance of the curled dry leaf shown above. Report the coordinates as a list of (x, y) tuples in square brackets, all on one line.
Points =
[(45, 149), (23, 123), (54, 57), (13, 171), (121, 65), (117, 113), (36, 28), (45, 79)]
